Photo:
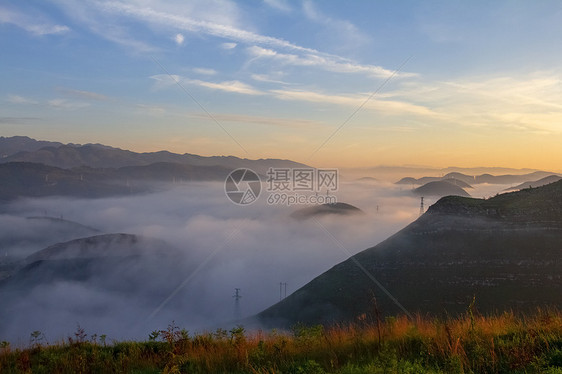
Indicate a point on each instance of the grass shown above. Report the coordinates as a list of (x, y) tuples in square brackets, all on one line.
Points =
[(504, 343)]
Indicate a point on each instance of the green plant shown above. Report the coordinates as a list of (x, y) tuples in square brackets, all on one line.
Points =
[(237, 335), (36, 338)]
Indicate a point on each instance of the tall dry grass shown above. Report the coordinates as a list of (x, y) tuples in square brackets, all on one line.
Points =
[(504, 343)]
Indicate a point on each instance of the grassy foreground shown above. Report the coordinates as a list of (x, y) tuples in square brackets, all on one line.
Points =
[(472, 344)]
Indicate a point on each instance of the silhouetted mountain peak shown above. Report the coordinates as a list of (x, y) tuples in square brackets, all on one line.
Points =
[(338, 208), (440, 188)]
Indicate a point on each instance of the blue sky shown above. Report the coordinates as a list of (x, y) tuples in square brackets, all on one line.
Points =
[(479, 82)]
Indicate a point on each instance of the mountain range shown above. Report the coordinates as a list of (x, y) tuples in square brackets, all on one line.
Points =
[(31, 168), (478, 179), (68, 156)]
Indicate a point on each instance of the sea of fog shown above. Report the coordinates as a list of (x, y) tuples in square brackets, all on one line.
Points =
[(253, 248)]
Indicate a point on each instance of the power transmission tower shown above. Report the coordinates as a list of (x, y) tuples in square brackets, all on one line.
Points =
[(281, 286), (422, 210), (237, 298)]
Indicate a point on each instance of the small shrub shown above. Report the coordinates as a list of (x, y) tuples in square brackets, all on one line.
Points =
[(309, 367)]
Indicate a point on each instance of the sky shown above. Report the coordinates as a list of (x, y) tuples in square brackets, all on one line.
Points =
[(327, 83)]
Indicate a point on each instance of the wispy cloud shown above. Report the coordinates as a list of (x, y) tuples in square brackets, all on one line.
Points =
[(61, 103), (96, 17), (526, 102), (260, 120), (281, 5), (179, 39), (67, 104), (228, 46), (354, 101), (234, 86), (228, 86), (88, 95), (268, 79), (385, 106), (530, 102), (35, 24), (205, 71), (17, 120), (17, 99), (161, 16), (323, 62), (336, 28), (154, 16), (151, 109), (165, 80)]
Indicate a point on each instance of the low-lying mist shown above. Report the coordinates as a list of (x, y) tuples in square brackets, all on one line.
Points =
[(220, 246)]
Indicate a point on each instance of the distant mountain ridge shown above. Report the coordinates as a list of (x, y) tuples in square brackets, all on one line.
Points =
[(31, 168), (505, 251), (101, 156), (537, 183), (14, 144), (478, 179), (26, 179)]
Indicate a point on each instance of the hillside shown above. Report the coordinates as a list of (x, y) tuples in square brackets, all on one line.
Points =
[(22, 236), (505, 251), (98, 246), (111, 278), (75, 253)]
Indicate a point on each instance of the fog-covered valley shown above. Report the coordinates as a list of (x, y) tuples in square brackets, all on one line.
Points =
[(218, 247)]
